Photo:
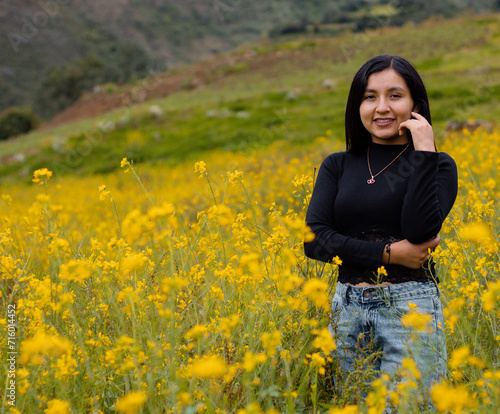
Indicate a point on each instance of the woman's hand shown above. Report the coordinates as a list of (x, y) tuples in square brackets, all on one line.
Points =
[(411, 255), (421, 132)]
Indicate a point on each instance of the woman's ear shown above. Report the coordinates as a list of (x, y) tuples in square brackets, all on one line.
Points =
[(416, 108)]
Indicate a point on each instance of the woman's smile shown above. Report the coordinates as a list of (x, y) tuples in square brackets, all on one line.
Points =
[(383, 121)]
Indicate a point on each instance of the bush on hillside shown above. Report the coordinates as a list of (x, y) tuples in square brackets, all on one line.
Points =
[(16, 121), (63, 85), (288, 28), (129, 60)]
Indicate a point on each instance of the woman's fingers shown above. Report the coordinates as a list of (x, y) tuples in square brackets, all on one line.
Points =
[(421, 132), (430, 245), (433, 243)]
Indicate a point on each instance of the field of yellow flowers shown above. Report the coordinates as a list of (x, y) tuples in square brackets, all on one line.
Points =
[(185, 290)]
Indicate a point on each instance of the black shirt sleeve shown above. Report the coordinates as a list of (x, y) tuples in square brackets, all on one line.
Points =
[(320, 217), (432, 190)]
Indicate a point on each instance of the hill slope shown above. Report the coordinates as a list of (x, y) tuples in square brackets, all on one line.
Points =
[(250, 98), (38, 35)]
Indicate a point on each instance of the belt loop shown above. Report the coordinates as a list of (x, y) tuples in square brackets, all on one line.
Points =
[(387, 291), (438, 291), (347, 288)]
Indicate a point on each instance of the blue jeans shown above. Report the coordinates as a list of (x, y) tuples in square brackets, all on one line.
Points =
[(365, 316)]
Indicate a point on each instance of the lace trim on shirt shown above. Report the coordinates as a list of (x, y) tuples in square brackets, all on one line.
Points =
[(353, 273)]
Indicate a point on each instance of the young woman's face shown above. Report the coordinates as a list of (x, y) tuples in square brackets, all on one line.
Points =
[(386, 103)]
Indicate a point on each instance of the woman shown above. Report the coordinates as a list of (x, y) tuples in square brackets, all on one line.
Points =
[(382, 203)]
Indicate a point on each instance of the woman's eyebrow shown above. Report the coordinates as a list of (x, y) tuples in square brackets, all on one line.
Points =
[(392, 89)]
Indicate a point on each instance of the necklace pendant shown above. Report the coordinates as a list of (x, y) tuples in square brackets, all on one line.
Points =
[(370, 180)]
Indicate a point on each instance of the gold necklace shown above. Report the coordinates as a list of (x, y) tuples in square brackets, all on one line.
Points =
[(372, 180)]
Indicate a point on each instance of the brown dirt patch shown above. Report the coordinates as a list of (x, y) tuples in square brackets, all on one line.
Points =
[(216, 69)]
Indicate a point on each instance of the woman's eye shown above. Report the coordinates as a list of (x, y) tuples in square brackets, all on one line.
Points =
[(369, 97), (395, 96)]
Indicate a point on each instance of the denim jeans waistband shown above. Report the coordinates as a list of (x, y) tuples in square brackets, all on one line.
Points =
[(398, 291)]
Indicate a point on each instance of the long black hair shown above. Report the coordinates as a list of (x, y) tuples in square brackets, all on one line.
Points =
[(357, 138)]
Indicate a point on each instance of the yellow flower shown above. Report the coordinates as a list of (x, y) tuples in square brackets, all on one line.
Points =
[(491, 297), (211, 366), (135, 224), (476, 361), (318, 361), (227, 324), (324, 341), (131, 403), (459, 356), (43, 198), (59, 247), (184, 398), (8, 267), (413, 307), (38, 175), (478, 232), (410, 365), (22, 373), (132, 262), (271, 341), (171, 284), (376, 399), (124, 162), (129, 294), (317, 291), (336, 261), (381, 271), (200, 167), (223, 214), (348, 409), (56, 406), (234, 176), (165, 209), (252, 408), (417, 321), (103, 193), (34, 350), (251, 360), (75, 270), (309, 236), (448, 398), (195, 332), (65, 366)]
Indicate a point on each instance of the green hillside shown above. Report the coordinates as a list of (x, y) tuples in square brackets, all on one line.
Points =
[(292, 91), (54, 49)]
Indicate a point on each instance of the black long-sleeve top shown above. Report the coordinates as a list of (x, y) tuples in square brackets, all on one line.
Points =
[(354, 220)]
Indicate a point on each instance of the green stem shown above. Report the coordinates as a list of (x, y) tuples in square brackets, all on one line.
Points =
[(256, 225), (211, 189)]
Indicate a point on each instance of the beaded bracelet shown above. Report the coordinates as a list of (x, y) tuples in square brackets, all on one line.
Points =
[(388, 251)]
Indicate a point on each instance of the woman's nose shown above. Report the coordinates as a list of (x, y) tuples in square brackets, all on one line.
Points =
[(382, 105)]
